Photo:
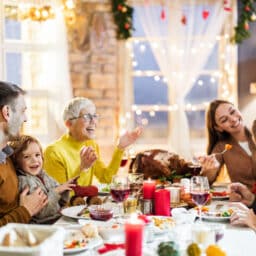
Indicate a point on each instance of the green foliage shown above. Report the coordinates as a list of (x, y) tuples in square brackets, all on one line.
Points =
[(247, 15), (169, 248), (123, 14)]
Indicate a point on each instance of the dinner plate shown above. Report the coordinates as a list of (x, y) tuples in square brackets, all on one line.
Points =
[(215, 218), (72, 212), (161, 224), (74, 234)]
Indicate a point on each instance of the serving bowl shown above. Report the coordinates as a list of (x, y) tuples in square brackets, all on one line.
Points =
[(102, 212), (113, 232)]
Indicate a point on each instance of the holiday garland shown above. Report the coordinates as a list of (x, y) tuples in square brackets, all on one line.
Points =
[(123, 14), (247, 15)]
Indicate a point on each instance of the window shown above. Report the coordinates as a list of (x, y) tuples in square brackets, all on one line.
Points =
[(151, 103), (30, 57)]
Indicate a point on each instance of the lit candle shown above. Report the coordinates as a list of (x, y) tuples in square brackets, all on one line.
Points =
[(149, 187), (133, 236), (162, 202)]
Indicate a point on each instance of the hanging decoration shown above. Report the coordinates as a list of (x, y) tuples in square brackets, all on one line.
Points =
[(227, 6), (123, 14), (184, 19), (163, 15), (205, 14), (247, 15)]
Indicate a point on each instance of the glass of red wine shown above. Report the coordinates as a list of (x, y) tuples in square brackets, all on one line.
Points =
[(119, 189), (200, 192), (124, 160)]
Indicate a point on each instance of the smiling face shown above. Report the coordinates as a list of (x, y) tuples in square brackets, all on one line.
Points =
[(82, 129), (228, 119), (30, 159), (17, 116)]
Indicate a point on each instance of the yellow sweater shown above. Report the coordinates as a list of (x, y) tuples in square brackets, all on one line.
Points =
[(62, 161)]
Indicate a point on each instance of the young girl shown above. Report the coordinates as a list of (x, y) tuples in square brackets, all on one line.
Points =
[(225, 126), (28, 161)]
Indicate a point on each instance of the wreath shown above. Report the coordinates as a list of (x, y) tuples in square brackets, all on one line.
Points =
[(123, 14), (247, 15)]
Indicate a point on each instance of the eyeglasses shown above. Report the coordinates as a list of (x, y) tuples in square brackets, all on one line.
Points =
[(87, 117)]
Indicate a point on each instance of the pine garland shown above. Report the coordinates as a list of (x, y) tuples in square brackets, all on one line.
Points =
[(247, 15), (123, 14)]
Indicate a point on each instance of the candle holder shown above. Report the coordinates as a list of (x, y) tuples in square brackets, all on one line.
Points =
[(146, 206)]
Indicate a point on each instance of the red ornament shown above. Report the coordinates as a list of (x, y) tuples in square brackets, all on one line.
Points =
[(247, 8), (163, 14), (126, 25), (227, 9), (205, 14), (119, 7), (184, 19), (225, 2), (246, 26)]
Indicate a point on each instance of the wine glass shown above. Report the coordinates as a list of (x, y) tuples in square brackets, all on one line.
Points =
[(195, 166), (135, 183), (124, 159), (119, 189), (200, 192)]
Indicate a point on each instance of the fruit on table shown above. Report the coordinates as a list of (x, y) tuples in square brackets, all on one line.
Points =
[(193, 250), (214, 250), (168, 249)]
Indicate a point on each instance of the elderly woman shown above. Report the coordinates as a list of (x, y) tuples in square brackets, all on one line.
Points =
[(76, 153), (225, 126)]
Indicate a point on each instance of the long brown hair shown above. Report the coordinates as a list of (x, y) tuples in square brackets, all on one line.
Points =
[(20, 145), (213, 135)]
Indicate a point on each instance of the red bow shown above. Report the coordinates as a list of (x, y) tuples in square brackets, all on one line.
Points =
[(110, 247)]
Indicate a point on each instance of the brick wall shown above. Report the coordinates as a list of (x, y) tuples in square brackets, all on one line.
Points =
[(93, 53)]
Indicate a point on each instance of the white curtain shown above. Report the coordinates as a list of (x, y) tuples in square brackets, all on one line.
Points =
[(181, 53)]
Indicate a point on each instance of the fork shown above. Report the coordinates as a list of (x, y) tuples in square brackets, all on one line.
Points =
[(82, 211)]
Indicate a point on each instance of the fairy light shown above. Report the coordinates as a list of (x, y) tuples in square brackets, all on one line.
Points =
[(134, 63), (138, 112), (142, 48), (200, 82), (128, 115), (156, 78), (212, 80), (152, 113)]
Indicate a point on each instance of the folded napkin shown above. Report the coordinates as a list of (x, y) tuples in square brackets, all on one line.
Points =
[(110, 247)]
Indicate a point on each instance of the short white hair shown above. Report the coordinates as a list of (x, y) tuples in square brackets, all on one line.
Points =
[(74, 107)]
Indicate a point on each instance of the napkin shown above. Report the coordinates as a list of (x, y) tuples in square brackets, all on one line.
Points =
[(110, 247)]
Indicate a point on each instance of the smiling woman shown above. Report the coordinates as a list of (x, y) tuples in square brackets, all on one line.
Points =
[(225, 126)]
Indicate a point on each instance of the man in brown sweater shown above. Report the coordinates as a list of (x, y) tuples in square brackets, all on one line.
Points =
[(14, 207)]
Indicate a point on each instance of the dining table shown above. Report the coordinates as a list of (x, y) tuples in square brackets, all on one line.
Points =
[(237, 240)]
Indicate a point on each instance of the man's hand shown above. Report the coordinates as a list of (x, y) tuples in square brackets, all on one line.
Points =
[(88, 156), (33, 202), (240, 193)]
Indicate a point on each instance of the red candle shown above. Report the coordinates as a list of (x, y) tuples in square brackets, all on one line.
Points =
[(149, 187), (133, 236), (162, 202)]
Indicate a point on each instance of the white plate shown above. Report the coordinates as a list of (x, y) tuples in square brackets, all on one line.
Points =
[(92, 243), (165, 225), (215, 218), (72, 212)]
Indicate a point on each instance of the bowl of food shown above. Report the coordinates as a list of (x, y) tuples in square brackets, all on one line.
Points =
[(101, 212), (114, 232)]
